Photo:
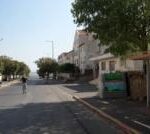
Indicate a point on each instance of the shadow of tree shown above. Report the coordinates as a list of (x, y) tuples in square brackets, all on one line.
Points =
[(44, 82), (38, 118), (82, 87), (51, 118)]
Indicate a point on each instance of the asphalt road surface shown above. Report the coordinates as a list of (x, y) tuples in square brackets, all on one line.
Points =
[(45, 109)]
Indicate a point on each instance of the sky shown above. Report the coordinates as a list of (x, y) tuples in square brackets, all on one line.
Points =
[(27, 25)]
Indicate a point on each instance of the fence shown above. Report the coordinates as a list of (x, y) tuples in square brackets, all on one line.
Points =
[(137, 85)]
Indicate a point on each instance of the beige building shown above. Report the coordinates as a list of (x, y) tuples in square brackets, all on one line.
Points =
[(62, 58), (85, 47), (70, 57), (109, 63), (66, 58)]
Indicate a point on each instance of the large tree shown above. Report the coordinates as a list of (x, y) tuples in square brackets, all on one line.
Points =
[(46, 66), (22, 69), (123, 25), (68, 68), (10, 67)]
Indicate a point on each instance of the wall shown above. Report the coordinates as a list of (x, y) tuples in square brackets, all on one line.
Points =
[(85, 47), (66, 58), (128, 65)]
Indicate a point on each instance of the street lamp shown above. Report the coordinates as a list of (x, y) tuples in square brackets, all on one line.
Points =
[(52, 43)]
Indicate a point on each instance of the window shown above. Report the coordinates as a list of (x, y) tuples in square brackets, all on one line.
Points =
[(112, 65), (103, 65)]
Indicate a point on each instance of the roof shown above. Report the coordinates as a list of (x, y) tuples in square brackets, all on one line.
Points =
[(102, 57), (141, 56)]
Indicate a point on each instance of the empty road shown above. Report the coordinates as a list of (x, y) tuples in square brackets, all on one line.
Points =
[(45, 109)]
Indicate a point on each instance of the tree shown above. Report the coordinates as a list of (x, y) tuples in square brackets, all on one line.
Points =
[(10, 67), (7, 65), (67, 68), (1, 66), (22, 69), (14, 67), (46, 66), (123, 25)]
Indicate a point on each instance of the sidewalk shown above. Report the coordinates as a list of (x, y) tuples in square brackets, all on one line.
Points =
[(8, 83), (133, 113)]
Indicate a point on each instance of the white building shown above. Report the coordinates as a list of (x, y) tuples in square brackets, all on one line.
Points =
[(62, 58), (85, 47), (67, 57), (109, 63), (70, 57)]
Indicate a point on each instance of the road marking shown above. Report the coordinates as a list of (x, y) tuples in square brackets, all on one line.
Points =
[(142, 124), (126, 117), (103, 108), (105, 102)]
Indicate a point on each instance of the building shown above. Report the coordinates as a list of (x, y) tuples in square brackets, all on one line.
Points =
[(109, 63), (67, 57), (62, 58), (70, 57), (85, 47)]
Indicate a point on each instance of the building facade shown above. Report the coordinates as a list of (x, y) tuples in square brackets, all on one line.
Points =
[(67, 57), (109, 63), (62, 58), (85, 47)]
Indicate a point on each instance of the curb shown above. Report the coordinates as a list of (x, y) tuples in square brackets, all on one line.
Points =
[(126, 129)]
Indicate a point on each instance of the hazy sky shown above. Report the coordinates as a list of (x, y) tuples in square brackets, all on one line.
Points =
[(25, 26)]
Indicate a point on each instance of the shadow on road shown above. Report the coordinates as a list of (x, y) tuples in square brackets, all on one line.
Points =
[(44, 82), (37, 118), (50, 118), (124, 110), (82, 87)]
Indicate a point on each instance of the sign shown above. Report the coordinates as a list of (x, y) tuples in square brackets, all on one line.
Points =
[(114, 82)]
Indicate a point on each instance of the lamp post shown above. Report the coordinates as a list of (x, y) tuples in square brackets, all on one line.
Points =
[(52, 43)]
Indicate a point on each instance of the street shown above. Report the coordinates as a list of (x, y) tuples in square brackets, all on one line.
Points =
[(45, 109)]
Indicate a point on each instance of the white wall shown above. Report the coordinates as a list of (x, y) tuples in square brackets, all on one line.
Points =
[(128, 65), (85, 47)]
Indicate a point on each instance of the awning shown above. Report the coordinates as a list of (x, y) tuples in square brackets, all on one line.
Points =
[(141, 56), (102, 57)]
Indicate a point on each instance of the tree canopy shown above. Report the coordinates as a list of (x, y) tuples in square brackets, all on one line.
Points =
[(8, 67), (123, 25), (46, 66), (67, 68)]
